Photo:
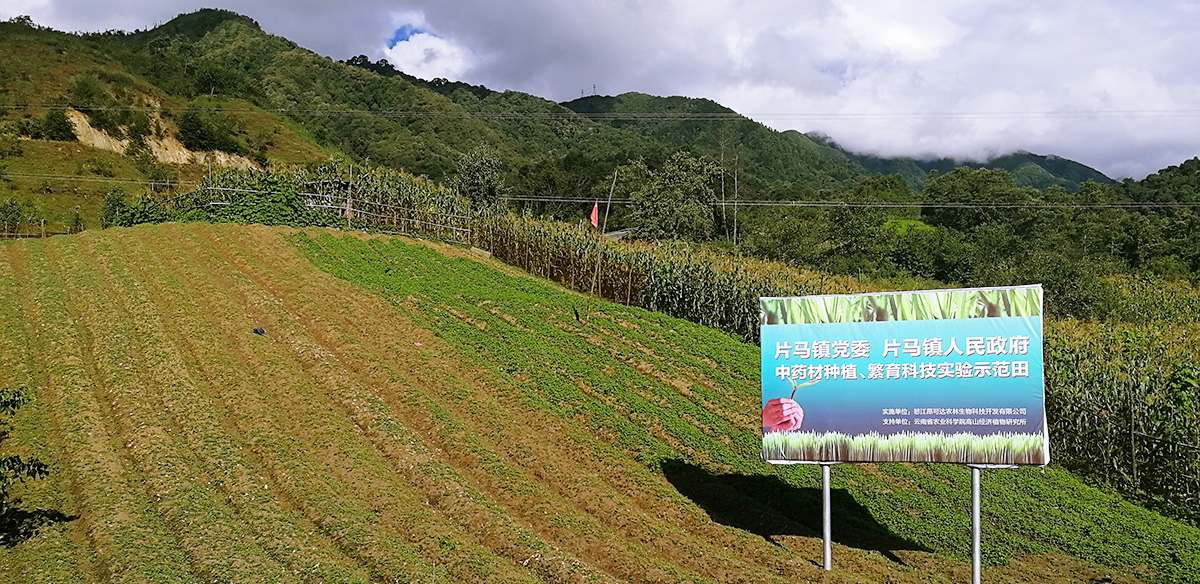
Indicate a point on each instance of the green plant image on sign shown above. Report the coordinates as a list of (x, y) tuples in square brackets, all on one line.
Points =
[(950, 376), (964, 448), (928, 305)]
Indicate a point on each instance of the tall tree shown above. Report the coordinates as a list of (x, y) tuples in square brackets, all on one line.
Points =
[(675, 202), (478, 177)]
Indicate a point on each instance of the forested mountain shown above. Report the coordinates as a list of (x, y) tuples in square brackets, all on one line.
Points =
[(1027, 169), (162, 106), (763, 156)]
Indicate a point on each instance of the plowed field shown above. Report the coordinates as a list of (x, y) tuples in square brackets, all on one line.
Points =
[(417, 413)]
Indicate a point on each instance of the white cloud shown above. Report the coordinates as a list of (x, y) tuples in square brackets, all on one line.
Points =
[(11, 8), (955, 63), (429, 56)]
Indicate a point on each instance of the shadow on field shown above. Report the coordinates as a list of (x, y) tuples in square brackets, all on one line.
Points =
[(768, 507), (18, 525)]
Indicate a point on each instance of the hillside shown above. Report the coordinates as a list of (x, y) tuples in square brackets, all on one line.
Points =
[(124, 131), (1027, 169), (159, 107), (415, 412), (763, 155)]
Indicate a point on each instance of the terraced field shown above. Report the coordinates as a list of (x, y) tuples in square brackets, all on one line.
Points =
[(417, 413)]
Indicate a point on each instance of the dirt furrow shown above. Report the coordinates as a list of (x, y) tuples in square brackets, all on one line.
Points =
[(129, 538), (357, 494), (208, 406), (59, 554), (526, 445), (171, 432), (321, 359)]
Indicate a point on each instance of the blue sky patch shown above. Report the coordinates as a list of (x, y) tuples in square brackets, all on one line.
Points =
[(404, 33)]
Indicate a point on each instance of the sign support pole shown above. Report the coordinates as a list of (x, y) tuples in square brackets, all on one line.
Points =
[(976, 547), (827, 515), (976, 555)]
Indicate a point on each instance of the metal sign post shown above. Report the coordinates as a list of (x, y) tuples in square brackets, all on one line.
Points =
[(826, 512), (827, 519), (976, 548), (826, 516), (976, 555)]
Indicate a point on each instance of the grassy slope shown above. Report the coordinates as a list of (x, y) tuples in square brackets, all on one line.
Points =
[(441, 419), (35, 68)]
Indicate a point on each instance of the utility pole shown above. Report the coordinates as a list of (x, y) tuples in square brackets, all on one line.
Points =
[(735, 202), (724, 218)]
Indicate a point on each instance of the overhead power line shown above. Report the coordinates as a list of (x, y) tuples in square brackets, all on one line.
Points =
[(664, 116), (96, 179), (892, 205), (741, 203)]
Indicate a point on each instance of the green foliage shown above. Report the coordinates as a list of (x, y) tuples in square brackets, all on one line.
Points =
[(161, 176), (203, 129), (113, 208), (673, 202), (10, 146), (760, 154), (478, 178), (12, 214), (112, 103), (14, 469), (77, 224), (1121, 411), (321, 196), (53, 124)]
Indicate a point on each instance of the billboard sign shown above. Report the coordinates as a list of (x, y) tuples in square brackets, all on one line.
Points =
[(927, 376)]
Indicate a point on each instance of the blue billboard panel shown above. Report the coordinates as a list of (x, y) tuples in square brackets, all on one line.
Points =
[(936, 376)]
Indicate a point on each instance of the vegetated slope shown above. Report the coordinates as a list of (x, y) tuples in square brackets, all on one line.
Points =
[(128, 130), (1028, 169), (437, 418), (762, 154)]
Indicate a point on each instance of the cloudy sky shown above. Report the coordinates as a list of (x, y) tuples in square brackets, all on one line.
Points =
[(1113, 84)]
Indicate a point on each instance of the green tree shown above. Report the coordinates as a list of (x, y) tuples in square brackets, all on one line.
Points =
[(675, 202), (958, 198), (478, 177), (77, 224), (202, 130), (53, 124), (113, 206), (12, 212)]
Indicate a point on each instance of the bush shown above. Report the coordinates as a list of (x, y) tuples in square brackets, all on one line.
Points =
[(202, 130), (52, 125), (112, 208)]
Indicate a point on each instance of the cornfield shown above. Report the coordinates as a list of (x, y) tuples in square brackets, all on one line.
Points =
[(707, 287)]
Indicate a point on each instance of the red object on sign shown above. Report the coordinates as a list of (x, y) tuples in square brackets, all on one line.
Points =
[(782, 414), (596, 214)]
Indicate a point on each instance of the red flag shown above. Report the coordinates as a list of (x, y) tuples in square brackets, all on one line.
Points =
[(596, 214)]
